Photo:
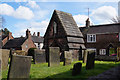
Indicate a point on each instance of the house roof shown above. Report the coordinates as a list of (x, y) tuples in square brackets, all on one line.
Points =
[(68, 23), (106, 28), (4, 36), (37, 39), (15, 43)]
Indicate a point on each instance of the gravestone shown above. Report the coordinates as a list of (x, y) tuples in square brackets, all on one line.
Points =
[(39, 56), (0, 70), (67, 58), (5, 58), (76, 69), (0, 64), (19, 67), (90, 59), (54, 56), (85, 56)]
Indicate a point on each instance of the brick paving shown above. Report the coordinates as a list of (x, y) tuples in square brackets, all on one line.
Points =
[(112, 74)]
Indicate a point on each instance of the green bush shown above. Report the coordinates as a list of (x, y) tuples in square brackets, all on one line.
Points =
[(31, 52)]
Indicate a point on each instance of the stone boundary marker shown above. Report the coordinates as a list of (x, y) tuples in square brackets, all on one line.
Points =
[(67, 58), (54, 56), (19, 67), (39, 56), (5, 58)]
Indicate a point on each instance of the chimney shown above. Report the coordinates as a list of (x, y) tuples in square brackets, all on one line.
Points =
[(28, 33), (9, 35), (34, 34), (38, 33), (87, 23)]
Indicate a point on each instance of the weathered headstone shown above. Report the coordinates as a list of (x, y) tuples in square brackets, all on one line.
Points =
[(5, 58), (90, 59), (39, 56), (19, 67), (75, 55), (0, 64), (76, 69), (85, 56), (67, 58), (54, 56)]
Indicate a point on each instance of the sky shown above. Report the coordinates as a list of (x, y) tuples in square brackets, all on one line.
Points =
[(34, 15)]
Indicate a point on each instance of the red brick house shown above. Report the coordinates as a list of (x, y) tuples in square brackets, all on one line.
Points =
[(104, 39), (64, 33), (21, 43), (6, 38)]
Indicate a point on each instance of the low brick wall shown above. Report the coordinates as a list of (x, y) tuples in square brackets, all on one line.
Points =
[(105, 58)]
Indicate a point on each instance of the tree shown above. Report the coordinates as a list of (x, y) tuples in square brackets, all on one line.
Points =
[(116, 19)]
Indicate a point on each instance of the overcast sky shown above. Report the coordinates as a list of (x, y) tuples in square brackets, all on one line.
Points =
[(35, 15)]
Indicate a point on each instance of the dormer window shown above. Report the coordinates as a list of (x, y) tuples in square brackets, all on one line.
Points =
[(55, 27), (91, 38)]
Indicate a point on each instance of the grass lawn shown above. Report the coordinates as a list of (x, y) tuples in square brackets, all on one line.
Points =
[(43, 71)]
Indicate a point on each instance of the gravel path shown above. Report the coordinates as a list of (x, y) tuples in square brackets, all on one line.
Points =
[(112, 74)]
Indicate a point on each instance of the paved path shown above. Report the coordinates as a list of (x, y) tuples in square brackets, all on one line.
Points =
[(112, 74)]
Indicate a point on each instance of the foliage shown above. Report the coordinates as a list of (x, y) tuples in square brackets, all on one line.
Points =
[(5, 31), (31, 52)]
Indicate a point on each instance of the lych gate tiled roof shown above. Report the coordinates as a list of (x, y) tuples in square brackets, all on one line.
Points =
[(68, 23), (107, 28), (37, 39), (15, 43)]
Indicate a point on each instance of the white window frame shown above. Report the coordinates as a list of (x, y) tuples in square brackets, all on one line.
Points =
[(55, 27), (102, 51), (93, 49), (93, 39)]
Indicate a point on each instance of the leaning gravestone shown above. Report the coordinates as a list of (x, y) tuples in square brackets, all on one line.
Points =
[(39, 56), (76, 69), (5, 58), (85, 56), (19, 67), (67, 58), (54, 56), (90, 59)]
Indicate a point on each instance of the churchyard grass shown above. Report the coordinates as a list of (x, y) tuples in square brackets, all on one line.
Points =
[(43, 71)]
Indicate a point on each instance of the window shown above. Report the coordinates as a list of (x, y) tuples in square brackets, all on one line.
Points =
[(102, 52), (26, 46), (38, 45), (55, 27), (94, 49), (91, 38)]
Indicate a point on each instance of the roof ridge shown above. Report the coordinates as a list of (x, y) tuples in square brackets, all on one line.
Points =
[(63, 12)]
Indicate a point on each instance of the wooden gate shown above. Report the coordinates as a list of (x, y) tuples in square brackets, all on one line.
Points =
[(118, 53)]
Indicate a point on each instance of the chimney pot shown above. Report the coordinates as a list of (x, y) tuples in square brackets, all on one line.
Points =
[(38, 33)]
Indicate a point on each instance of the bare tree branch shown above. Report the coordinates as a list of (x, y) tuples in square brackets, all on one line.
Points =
[(116, 19)]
